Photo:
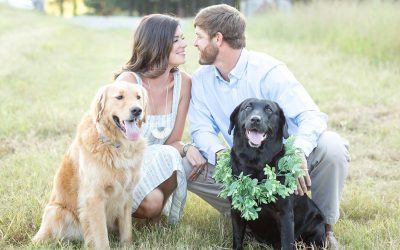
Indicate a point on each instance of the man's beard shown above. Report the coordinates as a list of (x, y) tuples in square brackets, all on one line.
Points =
[(208, 55)]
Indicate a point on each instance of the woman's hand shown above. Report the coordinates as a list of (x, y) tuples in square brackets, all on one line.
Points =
[(198, 162)]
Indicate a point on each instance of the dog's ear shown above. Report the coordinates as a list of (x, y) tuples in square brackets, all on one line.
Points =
[(145, 104), (285, 132), (98, 104), (233, 118)]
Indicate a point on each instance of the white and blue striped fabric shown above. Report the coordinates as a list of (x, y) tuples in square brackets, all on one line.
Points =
[(160, 161)]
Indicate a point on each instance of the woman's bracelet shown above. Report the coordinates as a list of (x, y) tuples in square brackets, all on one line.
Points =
[(186, 148)]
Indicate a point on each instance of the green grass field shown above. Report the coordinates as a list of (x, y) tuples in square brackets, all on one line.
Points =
[(346, 54)]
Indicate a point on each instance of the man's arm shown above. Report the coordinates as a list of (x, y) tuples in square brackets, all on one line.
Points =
[(204, 131), (305, 120)]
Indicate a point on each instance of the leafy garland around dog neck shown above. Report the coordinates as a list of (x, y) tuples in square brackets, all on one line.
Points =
[(247, 194)]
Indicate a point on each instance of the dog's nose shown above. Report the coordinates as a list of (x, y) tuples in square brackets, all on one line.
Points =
[(255, 119), (136, 111)]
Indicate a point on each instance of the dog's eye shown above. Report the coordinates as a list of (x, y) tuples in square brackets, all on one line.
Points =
[(247, 108), (120, 97), (138, 97), (268, 110)]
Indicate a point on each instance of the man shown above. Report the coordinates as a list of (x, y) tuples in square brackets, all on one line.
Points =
[(231, 74)]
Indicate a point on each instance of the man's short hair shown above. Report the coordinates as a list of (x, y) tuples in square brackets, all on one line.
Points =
[(224, 19)]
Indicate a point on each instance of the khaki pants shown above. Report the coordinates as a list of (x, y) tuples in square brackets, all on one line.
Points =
[(327, 166)]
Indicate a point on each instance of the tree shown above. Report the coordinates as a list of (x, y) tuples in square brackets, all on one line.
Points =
[(180, 8)]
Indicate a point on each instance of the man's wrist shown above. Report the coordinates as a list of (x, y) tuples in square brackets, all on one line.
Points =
[(218, 155)]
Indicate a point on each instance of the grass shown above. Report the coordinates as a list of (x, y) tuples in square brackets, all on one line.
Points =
[(347, 54)]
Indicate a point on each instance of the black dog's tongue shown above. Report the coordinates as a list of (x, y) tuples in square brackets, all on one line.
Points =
[(256, 138)]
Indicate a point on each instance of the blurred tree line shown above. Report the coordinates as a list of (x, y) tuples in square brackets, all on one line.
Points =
[(179, 8)]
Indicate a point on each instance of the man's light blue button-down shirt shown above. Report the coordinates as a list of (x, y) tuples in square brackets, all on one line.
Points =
[(255, 75)]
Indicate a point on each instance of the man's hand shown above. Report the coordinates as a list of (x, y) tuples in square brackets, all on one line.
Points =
[(303, 182), (198, 162)]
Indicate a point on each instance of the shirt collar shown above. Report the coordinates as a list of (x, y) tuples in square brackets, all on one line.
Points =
[(241, 64), (217, 74), (239, 68)]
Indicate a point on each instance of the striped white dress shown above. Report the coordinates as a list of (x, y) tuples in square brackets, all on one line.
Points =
[(161, 160)]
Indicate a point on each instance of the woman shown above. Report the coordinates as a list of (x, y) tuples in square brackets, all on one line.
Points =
[(158, 50)]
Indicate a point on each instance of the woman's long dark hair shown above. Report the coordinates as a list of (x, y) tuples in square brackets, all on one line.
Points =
[(153, 41)]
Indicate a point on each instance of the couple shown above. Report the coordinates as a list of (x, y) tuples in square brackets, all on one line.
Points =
[(230, 74)]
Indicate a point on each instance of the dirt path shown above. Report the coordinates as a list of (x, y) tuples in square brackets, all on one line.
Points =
[(100, 22)]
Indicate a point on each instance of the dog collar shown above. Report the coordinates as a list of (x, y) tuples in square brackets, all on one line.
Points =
[(103, 139)]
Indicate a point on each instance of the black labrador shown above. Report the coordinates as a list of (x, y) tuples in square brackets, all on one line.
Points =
[(259, 128)]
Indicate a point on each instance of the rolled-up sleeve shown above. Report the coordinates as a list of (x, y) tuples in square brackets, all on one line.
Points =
[(311, 125), (204, 131)]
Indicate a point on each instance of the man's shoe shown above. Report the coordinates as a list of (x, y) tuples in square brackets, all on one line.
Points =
[(331, 241)]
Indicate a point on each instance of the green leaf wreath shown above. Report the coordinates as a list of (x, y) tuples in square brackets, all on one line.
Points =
[(247, 194)]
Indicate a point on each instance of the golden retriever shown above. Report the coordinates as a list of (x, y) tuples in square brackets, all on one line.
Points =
[(92, 190)]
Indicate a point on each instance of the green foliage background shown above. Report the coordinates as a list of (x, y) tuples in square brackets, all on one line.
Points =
[(346, 53)]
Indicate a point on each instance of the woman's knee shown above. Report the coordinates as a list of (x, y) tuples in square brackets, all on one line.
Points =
[(152, 204)]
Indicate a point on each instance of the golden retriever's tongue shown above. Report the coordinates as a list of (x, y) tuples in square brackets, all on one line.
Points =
[(132, 131), (255, 137)]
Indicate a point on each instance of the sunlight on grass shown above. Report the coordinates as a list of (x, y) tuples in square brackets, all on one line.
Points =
[(347, 54), (349, 26)]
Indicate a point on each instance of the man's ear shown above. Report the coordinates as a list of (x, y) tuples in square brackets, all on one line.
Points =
[(219, 38), (98, 104), (234, 118)]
